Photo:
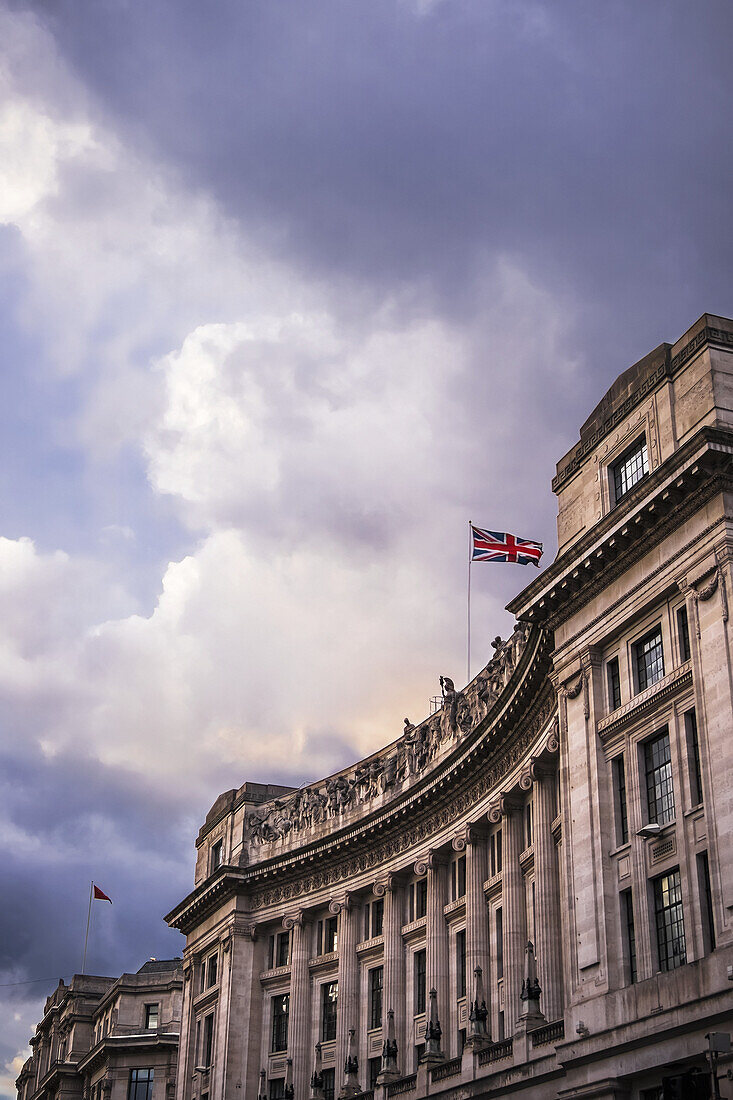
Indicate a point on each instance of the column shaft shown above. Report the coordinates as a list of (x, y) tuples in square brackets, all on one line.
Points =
[(300, 1009), (515, 917), (347, 1015), (436, 937), (394, 969), (548, 930), (477, 921)]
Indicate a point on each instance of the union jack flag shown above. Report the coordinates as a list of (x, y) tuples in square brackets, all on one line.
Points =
[(501, 546)]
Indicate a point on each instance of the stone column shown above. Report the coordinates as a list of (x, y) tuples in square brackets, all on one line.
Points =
[(436, 932), (299, 1026), (548, 934), (477, 920), (393, 996), (514, 910), (347, 1014)]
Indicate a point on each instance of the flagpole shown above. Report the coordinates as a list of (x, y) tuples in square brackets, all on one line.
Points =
[(468, 610), (86, 937)]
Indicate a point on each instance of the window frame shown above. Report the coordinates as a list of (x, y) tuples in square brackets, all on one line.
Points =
[(279, 1022), (660, 802), (329, 999), (665, 942), (613, 683), (135, 1081), (149, 1014), (376, 996), (619, 486), (637, 654), (419, 981)]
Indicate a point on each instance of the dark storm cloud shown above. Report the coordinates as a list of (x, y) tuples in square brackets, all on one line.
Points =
[(389, 144), (82, 821)]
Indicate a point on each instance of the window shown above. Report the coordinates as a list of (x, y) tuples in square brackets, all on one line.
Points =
[(374, 919), (528, 825), (614, 684), (141, 1084), (495, 852), (329, 1084), (461, 1040), (458, 878), (461, 962), (280, 1013), (151, 1016), (683, 633), (217, 855), (649, 658), (502, 1033), (419, 1052), (627, 919), (211, 970), (693, 757), (421, 897), (375, 996), (420, 979), (331, 935), (669, 921), (499, 927), (619, 785), (329, 1006), (282, 957), (208, 1040), (659, 790), (276, 1090), (630, 469), (706, 902), (374, 1066)]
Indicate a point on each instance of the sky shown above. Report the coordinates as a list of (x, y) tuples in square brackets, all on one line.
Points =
[(289, 292)]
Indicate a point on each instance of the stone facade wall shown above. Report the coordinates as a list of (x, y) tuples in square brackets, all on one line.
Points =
[(600, 922)]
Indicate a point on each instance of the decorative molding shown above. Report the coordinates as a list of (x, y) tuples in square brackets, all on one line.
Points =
[(680, 677)]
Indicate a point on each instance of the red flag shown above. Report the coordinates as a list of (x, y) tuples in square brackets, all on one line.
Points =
[(99, 895)]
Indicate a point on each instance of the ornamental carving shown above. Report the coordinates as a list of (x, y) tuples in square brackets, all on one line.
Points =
[(388, 773)]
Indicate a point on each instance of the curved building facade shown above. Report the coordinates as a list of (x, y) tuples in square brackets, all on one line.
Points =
[(531, 891)]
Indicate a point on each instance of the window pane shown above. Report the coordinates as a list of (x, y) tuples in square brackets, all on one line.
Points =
[(280, 1012), (375, 996), (683, 631), (421, 897), (377, 917), (329, 1006), (622, 823), (329, 1083), (461, 961), (693, 757), (141, 1084), (614, 684), (659, 789), (630, 469), (419, 981), (649, 659), (670, 925), (628, 919)]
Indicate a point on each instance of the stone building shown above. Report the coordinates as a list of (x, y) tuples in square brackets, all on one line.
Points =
[(530, 892), (108, 1039)]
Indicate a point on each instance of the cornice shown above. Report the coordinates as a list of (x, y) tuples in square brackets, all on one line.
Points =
[(658, 504), (479, 762), (679, 678), (671, 366)]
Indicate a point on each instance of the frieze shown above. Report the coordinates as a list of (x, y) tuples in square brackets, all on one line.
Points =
[(388, 773), (417, 833)]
